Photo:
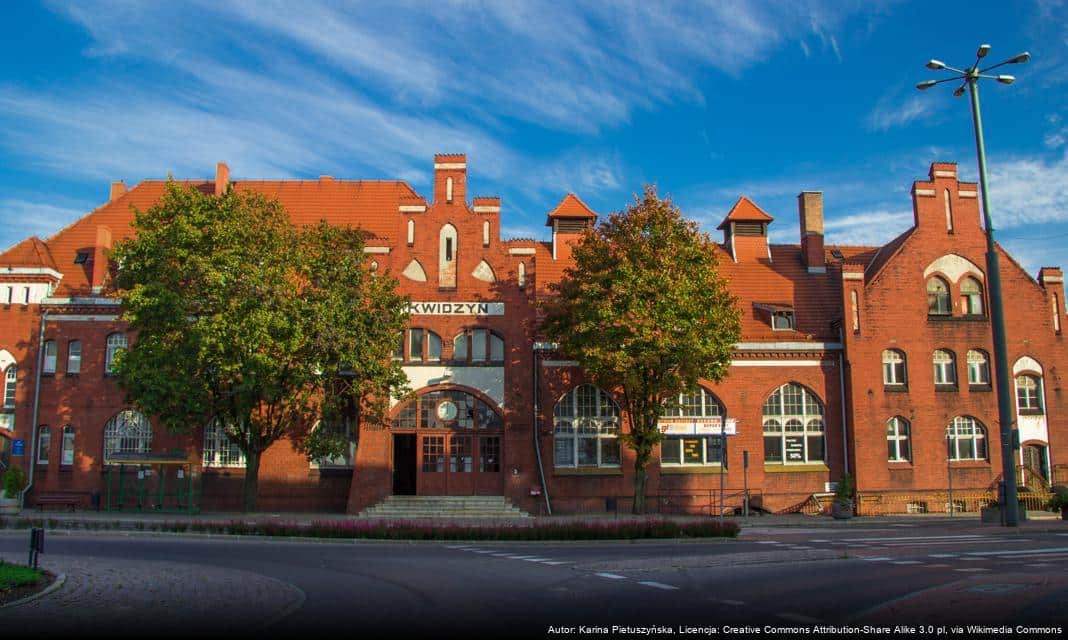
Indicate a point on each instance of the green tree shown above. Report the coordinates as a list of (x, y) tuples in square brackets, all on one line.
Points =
[(243, 318), (646, 313)]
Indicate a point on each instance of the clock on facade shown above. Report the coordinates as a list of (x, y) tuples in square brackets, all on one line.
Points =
[(447, 410)]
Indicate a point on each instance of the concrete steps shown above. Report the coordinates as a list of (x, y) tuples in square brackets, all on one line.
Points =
[(421, 507)]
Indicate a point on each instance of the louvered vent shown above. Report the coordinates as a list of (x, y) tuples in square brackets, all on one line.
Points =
[(571, 226), (749, 228)]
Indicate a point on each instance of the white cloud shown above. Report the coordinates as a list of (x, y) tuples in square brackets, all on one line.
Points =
[(867, 228), (1028, 191), (890, 113), (24, 218)]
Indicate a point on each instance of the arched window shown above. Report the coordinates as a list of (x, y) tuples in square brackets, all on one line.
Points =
[(411, 232), (949, 212), (894, 369), (938, 297), (856, 311), (945, 368), (10, 381), (522, 275), (684, 444), (478, 345), (898, 445), (66, 451), (423, 346), (447, 248), (971, 297), (44, 444), (978, 368), (74, 357), (116, 342), (49, 366), (448, 409), (1028, 394), (219, 449), (586, 429), (793, 426), (127, 432), (966, 439)]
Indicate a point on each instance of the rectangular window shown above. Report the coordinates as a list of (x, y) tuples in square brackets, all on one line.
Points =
[(478, 345), (489, 455), (74, 357), (460, 460), (25, 295), (782, 320), (415, 344), (44, 443), (49, 356), (772, 448), (564, 452), (433, 454), (66, 457)]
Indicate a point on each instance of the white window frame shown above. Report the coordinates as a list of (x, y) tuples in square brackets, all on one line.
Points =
[(1031, 396), (944, 366), (478, 345), (128, 431), (702, 404), (782, 422), (219, 451), (44, 444), (66, 450), (978, 368), (50, 356), (898, 433), (573, 425), (938, 302), (895, 366), (74, 357), (966, 429), (972, 301), (115, 343), (11, 380)]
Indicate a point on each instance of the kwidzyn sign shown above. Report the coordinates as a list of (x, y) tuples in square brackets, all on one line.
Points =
[(456, 308)]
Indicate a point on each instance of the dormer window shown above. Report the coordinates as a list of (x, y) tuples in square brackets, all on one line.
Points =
[(780, 316), (81, 257)]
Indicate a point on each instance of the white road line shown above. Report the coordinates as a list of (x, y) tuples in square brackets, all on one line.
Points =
[(500, 555), (878, 559), (960, 537), (797, 617), (733, 603), (659, 585), (798, 547), (555, 562), (482, 550), (1021, 552), (535, 559), (520, 557), (1040, 564), (819, 540), (906, 562), (942, 555), (768, 542), (970, 569), (458, 546), (972, 559), (1035, 556), (931, 543), (611, 576)]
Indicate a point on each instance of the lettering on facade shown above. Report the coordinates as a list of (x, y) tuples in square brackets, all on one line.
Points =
[(688, 426), (456, 308)]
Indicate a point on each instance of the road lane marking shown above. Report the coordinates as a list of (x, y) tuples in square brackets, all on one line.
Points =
[(960, 537), (797, 617), (938, 566), (819, 540), (971, 569), (535, 559), (659, 585), (906, 562), (611, 576), (941, 555), (929, 543), (1021, 552), (555, 562), (768, 542), (878, 559)]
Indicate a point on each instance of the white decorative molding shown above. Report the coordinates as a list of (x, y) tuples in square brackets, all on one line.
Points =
[(23, 293), (376, 249), (87, 301), (82, 318), (31, 271), (967, 194), (788, 346), (412, 208), (486, 209), (414, 271), (954, 267), (852, 275), (942, 173), (522, 251), (456, 308), (1026, 363), (484, 272), (450, 165), (488, 380), (1053, 279), (775, 363), (925, 193), (6, 359)]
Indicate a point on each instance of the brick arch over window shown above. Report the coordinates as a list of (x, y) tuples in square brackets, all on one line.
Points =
[(953, 267)]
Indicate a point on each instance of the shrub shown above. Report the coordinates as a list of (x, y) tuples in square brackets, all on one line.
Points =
[(14, 481)]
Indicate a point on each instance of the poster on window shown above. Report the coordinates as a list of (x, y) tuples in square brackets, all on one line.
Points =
[(693, 450), (795, 448), (687, 426)]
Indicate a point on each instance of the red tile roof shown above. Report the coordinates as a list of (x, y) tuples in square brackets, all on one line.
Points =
[(31, 252), (745, 210), (570, 207)]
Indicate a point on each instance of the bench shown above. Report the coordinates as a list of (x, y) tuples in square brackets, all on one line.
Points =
[(71, 500)]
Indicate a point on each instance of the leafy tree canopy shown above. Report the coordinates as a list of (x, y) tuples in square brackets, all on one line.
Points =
[(645, 312), (244, 318)]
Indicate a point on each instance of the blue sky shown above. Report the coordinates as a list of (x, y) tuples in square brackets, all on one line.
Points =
[(708, 100)]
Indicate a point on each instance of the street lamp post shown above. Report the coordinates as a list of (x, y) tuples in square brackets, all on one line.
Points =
[(970, 77)]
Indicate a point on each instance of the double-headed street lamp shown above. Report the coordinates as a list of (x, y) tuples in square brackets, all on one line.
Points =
[(970, 77)]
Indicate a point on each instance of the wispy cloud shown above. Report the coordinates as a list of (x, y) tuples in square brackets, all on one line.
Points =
[(1029, 191), (892, 112), (867, 228), (23, 218)]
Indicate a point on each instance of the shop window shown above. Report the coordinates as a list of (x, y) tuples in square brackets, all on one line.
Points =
[(692, 449), (966, 439), (894, 369), (586, 429), (793, 424), (898, 444), (938, 297)]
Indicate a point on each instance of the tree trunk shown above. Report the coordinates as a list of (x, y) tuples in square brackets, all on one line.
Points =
[(640, 477), (252, 480)]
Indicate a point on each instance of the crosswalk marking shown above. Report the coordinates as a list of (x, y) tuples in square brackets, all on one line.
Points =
[(659, 585), (906, 562), (611, 576), (1020, 552)]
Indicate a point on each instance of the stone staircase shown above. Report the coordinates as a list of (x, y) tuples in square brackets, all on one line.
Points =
[(421, 507)]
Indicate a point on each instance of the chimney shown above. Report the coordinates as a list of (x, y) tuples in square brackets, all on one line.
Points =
[(118, 189), (810, 211), (450, 178), (100, 257), (222, 178)]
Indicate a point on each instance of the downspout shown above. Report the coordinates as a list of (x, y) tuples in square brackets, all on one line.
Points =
[(842, 397), (537, 440), (36, 408)]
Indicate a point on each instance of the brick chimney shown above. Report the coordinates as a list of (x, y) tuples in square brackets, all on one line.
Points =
[(810, 212), (222, 178), (100, 257), (450, 178), (118, 189)]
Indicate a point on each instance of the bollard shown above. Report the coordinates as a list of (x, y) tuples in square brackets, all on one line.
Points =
[(36, 545)]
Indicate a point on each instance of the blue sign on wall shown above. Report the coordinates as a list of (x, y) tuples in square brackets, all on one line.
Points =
[(18, 448)]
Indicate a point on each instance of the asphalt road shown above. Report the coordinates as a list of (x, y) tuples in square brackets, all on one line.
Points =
[(768, 579)]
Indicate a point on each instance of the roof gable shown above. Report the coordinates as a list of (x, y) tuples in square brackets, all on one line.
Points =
[(31, 252), (570, 207), (745, 210)]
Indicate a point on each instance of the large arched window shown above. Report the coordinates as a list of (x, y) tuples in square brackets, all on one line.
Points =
[(11, 377), (687, 445), (478, 345), (127, 432), (971, 297), (898, 443), (894, 371), (793, 426), (116, 342), (938, 297), (978, 368), (448, 409), (945, 368), (219, 449), (1028, 394), (586, 429), (966, 439)]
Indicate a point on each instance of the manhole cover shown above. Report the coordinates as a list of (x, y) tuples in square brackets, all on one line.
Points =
[(994, 588)]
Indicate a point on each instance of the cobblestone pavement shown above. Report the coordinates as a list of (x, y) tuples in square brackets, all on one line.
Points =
[(119, 595)]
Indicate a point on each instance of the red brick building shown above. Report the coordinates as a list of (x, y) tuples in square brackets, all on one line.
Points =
[(858, 359)]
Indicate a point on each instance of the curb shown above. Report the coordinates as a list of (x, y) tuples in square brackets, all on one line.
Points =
[(57, 583)]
